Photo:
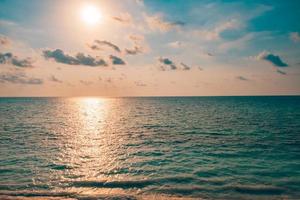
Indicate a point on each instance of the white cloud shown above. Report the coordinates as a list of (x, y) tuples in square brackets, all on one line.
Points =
[(124, 18), (214, 33), (176, 44), (156, 22)]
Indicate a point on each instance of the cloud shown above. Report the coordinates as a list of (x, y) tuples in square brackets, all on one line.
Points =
[(207, 54), (89, 60), (86, 82), (95, 47), (271, 58), (124, 18), (139, 45), (19, 78), (9, 58), (99, 43), (242, 78), (140, 2), (5, 57), (54, 79), (4, 41), (156, 22), (214, 33), (116, 60), (239, 43), (167, 63), (281, 72), (245, 40), (134, 51), (228, 25), (59, 56), (27, 62), (136, 38), (185, 67), (178, 23), (176, 44), (80, 59), (295, 37), (109, 80)]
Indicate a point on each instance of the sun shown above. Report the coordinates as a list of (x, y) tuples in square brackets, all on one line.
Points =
[(91, 15)]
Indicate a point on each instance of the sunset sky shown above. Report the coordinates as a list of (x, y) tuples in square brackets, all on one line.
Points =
[(149, 48)]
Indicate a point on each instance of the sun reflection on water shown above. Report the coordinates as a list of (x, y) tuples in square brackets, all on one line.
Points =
[(92, 113), (93, 143), (84, 145)]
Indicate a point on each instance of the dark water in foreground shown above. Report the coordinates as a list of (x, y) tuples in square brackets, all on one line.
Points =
[(201, 147)]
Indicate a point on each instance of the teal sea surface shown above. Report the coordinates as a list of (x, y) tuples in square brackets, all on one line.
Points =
[(134, 148)]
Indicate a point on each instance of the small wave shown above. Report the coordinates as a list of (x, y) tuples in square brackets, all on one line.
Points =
[(191, 132), (206, 173), (181, 190), (154, 126), (4, 171), (125, 184), (28, 195), (37, 194), (112, 184), (15, 187), (63, 196), (59, 166), (197, 190), (259, 190)]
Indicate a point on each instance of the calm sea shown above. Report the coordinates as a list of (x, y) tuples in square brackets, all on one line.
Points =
[(190, 147)]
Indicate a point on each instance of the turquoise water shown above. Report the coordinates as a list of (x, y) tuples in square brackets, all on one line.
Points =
[(198, 147)]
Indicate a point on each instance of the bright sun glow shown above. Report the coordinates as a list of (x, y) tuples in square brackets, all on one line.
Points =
[(91, 15)]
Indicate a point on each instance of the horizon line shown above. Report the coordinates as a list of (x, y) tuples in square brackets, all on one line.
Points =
[(133, 96)]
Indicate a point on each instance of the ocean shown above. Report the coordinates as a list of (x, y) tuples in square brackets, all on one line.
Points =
[(151, 147)]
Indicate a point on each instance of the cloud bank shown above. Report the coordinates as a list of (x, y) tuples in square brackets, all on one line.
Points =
[(168, 64), (80, 59), (9, 58), (19, 78)]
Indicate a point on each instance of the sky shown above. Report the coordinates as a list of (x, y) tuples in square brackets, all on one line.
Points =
[(149, 48)]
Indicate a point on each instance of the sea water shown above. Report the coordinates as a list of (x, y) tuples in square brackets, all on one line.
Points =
[(189, 147)]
